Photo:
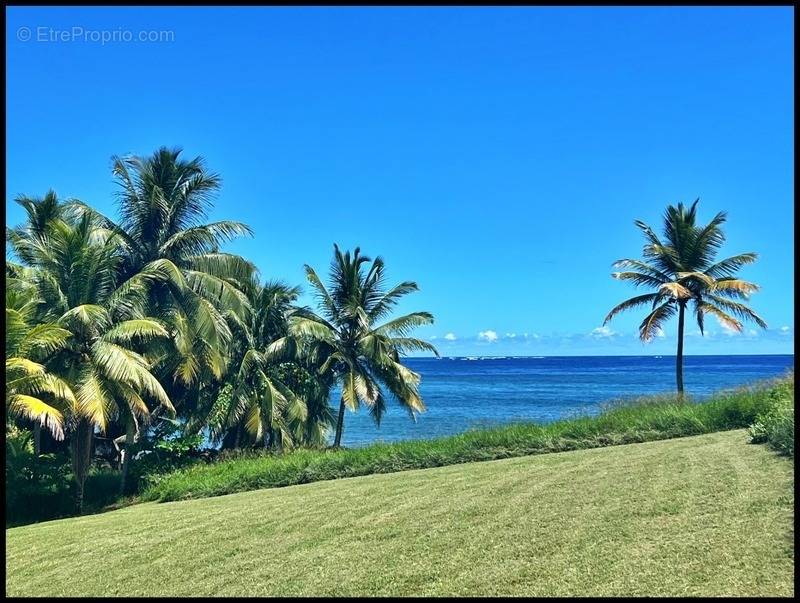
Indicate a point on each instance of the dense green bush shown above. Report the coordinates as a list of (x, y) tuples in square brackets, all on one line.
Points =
[(36, 487), (775, 427), (622, 423), (40, 488)]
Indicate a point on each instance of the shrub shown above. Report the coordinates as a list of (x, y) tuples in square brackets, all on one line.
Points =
[(776, 427), (37, 488), (41, 488)]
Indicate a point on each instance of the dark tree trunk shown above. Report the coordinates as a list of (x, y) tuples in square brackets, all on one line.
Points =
[(679, 356), (238, 435), (130, 435), (37, 438), (337, 440), (269, 433), (81, 458)]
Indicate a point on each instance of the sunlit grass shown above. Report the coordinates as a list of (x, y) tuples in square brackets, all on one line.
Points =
[(706, 515)]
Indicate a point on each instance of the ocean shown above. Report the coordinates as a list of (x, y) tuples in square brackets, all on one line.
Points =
[(466, 393)]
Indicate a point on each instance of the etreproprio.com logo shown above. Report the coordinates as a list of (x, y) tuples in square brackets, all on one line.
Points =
[(93, 36)]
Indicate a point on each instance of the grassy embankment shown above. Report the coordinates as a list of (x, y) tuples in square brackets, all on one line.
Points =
[(705, 515), (644, 420)]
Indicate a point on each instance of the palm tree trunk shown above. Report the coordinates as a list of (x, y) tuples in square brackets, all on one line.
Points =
[(269, 436), (37, 438), (679, 357), (81, 458), (130, 435), (238, 435), (339, 424)]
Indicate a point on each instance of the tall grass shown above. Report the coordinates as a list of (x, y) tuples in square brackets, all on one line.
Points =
[(775, 427), (642, 420)]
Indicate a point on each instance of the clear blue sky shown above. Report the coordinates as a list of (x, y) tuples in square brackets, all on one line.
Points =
[(496, 156)]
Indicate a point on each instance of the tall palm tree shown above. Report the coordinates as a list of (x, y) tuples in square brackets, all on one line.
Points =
[(683, 269), (104, 358), (163, 203), (347, 341), (32, 392)]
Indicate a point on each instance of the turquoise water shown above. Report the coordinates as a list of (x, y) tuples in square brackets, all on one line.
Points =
[(463, 393)]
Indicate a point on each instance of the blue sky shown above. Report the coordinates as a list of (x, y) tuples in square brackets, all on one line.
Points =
[(496, 156)]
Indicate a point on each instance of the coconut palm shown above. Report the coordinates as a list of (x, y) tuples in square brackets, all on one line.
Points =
[(163, 203), (347, 341), (256, 400), (683, 269), (32, 391), (103, 360)]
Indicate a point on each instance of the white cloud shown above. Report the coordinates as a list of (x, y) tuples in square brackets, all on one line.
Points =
[(785, 330), (602, 332), (752, 333), (660, 332), (488, 335), (511, 335), (433, 338), (729, 330), (450, 337)]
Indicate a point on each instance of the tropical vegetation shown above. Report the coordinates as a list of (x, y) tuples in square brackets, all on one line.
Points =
[(123, 329)]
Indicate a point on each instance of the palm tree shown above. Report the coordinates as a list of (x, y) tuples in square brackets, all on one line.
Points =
[(256, 400), (682, 269), (33, 392), (163, 203), (75, 270), (346, 340)]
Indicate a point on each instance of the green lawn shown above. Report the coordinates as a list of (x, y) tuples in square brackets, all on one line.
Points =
[(705, 515)]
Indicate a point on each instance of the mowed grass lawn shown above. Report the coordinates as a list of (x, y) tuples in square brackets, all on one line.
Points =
[(704, 515)]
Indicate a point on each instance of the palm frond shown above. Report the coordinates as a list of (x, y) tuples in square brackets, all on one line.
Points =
[(633, 302), (638, 278), (737, 309), (37, 410), (204, 239), (323, 297), (729, 266), (141, 329), (403, 325), (725, 319), (386, 302), (654, 321), (734, 287)]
